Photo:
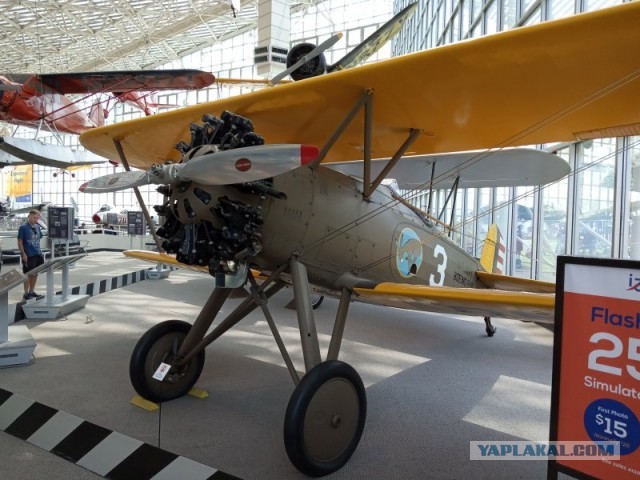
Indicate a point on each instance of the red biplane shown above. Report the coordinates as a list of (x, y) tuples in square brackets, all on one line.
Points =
[(32, 100)]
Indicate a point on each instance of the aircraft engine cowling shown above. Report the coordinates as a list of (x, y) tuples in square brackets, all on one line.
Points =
[(314, 67), (218, 227)]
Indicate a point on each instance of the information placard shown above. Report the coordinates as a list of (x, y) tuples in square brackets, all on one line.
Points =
[(596, 364), (60, 222), (136, 224)]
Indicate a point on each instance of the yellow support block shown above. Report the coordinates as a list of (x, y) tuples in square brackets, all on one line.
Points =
[(198, 393), (138, 401)]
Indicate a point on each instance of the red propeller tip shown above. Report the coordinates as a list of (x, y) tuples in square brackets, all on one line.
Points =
[(308, 153)]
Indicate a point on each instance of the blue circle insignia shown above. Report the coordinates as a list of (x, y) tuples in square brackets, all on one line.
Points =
[(409, 253)]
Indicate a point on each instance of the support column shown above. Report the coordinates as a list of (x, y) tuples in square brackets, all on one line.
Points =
[(274, 23)]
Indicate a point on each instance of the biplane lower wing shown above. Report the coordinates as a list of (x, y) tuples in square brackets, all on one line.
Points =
[(156, 257), (506, 89), (527, 305)]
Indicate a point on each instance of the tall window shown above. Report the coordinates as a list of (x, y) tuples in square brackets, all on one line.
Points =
[(595, 164)]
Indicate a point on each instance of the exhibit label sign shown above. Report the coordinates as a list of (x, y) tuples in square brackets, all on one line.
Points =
[(596, 367)]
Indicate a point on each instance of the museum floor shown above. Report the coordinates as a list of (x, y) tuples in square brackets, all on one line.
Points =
[(434, 383)]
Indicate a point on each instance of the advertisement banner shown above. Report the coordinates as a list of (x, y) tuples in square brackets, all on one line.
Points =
[(19, 181), (596, 377)]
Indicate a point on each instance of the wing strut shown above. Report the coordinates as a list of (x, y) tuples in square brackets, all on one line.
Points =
[(362, 100), (338, 326), (453, 192), (366, 101), (413, 134), (136, 190)]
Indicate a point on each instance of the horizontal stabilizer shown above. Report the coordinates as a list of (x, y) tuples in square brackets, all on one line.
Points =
[(40, 153), (499, 168), (515, 284)]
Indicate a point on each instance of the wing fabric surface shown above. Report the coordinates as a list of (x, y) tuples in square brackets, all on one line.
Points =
[(500, 168), (123, 81), (506, 89), (533, 307)]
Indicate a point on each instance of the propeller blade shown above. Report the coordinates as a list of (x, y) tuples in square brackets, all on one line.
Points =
[(223, 167), (330, 42), (245, 164), (115, 182)]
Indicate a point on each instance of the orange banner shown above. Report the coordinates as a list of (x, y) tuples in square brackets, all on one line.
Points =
[(599, 377)]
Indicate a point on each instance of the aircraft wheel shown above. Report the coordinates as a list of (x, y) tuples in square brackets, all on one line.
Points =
[(316, 300), (325, 418), (160, 345)]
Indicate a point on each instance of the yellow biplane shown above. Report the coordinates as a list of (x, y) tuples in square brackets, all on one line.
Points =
[(249, 188)]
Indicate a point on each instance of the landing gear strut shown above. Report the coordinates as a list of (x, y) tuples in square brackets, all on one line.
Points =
[(327, 411)]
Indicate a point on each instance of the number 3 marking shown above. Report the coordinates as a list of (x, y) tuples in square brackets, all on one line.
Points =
[(440, 268)]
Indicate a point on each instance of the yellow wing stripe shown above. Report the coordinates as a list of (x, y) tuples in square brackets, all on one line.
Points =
[(462, 295)]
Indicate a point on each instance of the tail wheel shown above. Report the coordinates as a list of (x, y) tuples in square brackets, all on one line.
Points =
[(325, 418), (160, 345), (316, 300)]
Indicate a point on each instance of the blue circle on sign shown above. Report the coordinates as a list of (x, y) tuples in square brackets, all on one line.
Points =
[(607, 420)]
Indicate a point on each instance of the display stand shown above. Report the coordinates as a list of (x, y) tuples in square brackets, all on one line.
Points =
[(16, 343), (54, 306), (158, 272)]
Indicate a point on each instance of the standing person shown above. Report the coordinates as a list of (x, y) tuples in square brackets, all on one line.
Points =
[(29, 235)]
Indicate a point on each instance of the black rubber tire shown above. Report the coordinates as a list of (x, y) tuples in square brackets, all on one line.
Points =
[(156, 346), (316, 300), (325, 418)]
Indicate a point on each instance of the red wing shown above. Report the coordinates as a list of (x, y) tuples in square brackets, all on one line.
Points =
[(124, 81)]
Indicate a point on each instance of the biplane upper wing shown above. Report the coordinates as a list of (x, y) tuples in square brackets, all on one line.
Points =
[(519, 87), (118, 81)]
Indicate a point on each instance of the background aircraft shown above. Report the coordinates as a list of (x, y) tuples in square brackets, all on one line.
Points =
[(42, 98), (235, 206), (114, 216)]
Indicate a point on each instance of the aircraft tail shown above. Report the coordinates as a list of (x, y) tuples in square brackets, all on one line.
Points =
[(493, 251)]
